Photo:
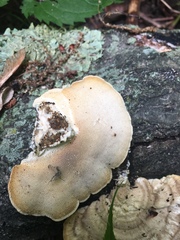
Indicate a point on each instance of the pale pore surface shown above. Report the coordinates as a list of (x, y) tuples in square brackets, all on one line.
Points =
[(149, 210), (94, 137)]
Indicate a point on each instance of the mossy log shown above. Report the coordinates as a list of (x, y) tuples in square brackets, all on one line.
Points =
[(149, 82)]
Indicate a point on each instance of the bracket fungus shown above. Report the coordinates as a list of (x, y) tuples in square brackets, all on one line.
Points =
[(148, 210), (81, 133)]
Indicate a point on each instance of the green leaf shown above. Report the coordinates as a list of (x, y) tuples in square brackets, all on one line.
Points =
[(48, 12), (66, 12), (109, 234), (63, 11), (3, 2), (105, 3), (118, 1), (28, 7)]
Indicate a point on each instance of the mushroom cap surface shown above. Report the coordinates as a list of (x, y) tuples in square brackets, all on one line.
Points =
[(81, 133), (148, 210)]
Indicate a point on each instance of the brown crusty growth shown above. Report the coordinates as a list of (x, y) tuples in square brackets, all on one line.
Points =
[(150, 210), (81, 133)]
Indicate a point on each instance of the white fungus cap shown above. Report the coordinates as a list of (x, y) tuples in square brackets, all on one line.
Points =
[(81, 133)]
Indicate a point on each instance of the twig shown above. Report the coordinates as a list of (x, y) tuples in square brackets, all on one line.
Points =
[(149, 20), (169, 7)]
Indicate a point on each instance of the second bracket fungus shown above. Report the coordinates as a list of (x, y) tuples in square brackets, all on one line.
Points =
[(150, 210), (81, 133)]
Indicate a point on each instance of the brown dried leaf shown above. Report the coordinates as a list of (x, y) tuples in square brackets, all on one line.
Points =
[(152, 42), (6, 95), (11, 65)]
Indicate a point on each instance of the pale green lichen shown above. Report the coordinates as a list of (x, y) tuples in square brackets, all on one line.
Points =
[(40, 41)]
